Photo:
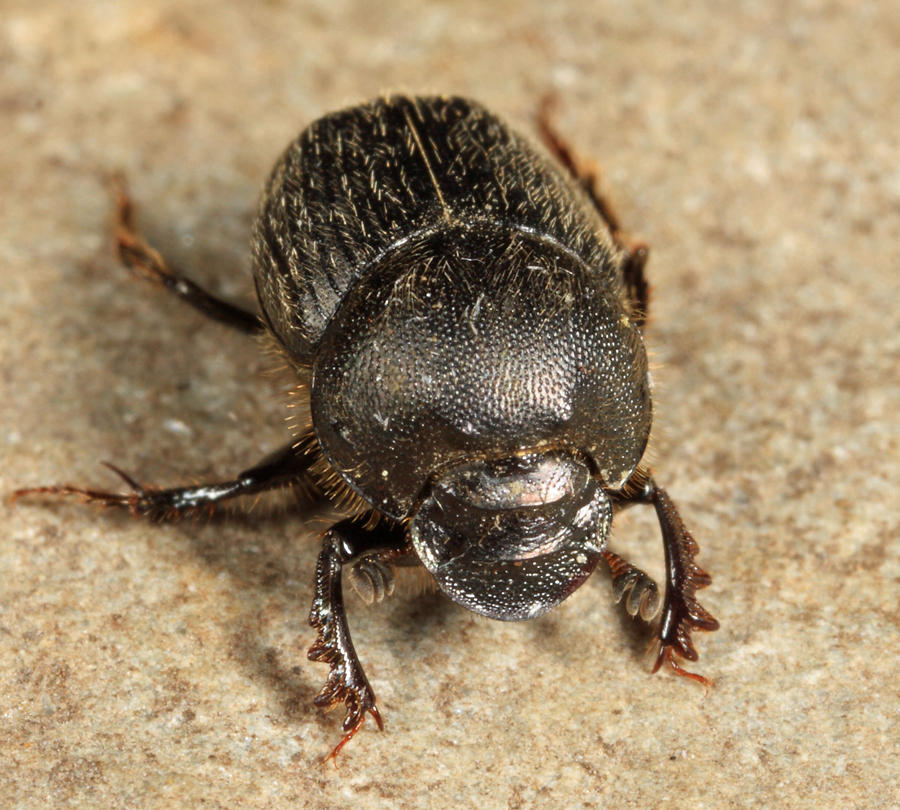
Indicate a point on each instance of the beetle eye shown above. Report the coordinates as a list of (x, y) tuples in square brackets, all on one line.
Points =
[(512, 538)]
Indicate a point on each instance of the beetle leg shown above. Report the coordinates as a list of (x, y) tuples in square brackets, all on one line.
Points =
[(372, 576), (137, 254), (681, 612), (288, 466), (345, 542), (635, 259), (640, 592), (634, 253)]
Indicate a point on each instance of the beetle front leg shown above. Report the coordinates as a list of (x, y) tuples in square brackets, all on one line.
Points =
[(681, 613), (346, 542)]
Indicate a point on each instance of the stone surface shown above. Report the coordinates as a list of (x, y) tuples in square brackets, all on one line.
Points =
[(755, 148)]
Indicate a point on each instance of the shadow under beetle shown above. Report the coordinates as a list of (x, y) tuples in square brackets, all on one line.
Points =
[(467, 317)]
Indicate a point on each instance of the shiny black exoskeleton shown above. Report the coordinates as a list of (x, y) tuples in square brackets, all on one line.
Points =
[(466, 315)]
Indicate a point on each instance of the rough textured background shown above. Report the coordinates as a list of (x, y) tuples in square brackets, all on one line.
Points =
[(756, 149)]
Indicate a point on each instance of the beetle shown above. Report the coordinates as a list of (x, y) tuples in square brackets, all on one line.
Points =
[(466, 315)]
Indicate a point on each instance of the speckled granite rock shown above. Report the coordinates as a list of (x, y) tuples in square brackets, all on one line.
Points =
[(756, 149)]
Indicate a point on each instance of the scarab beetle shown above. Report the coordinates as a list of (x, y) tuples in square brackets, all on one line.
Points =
[(466, 315)]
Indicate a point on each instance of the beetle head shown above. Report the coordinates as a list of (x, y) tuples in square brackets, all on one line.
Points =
[(511, 538)]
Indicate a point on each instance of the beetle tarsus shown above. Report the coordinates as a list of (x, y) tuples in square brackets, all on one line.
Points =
[(155, 504), (666, 655), (332, 757), (103, 499)]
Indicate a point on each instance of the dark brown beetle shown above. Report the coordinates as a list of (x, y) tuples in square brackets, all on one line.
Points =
[(467, 317)]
